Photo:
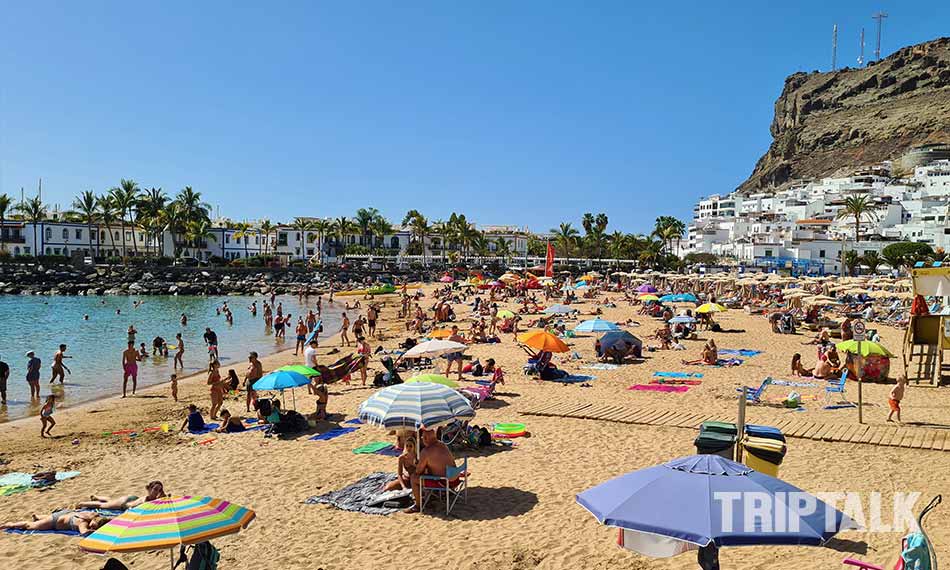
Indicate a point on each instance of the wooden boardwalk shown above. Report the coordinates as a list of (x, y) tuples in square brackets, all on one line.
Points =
[(912, 438)]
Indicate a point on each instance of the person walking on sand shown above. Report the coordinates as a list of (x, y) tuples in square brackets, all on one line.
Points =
[(174, 386), (60, 369), (4, 375), (180, 352), (344, 331), (217, 388), (372, 313), (254, 373), (46, 416), (130, 367), (33, 374), (895, 397)]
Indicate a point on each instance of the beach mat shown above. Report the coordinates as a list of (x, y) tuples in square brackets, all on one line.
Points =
[(792, 384), (333, 433), (601, 366), (207, 429), (659, 388), (676, 382), (354, 421), (740, 352), (363, 496), (372, 447), (678, 374), (62, 532), (573, 379)]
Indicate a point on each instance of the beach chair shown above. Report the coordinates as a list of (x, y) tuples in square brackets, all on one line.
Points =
[(837, 387), (754, 395), (452, 486)]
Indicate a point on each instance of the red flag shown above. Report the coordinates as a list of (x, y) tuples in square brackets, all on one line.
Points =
[(549, 262)]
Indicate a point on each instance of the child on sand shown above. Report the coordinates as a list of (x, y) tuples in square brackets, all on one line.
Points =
[(46, 416), (174, 381), (895, 397)]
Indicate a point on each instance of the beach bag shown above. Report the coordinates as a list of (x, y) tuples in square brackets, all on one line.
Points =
[(204, 556)]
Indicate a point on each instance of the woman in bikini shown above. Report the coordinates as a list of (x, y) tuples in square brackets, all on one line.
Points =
[(82, 522), (217, 388), (405, 468), (154, 490), (180, 354)]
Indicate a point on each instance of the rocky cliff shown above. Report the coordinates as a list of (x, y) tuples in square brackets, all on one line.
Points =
[(830, 123)]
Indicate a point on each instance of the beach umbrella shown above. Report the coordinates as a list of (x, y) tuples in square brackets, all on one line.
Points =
[(434, 379), (679, 298), (681, 505), (867, 348), (684, 319), (822, 300), (415, 405), (299, 369), (646, 297), (505, 314), (168, 523), (619, 337), (433, 348), (558, 310), (596, 325), (542, 340), (281, 380), (711, 308), (646, 288), (446, 279)]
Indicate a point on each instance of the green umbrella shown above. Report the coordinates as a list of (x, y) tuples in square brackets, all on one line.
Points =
[(300, 369), (867, 348), (434, 379)]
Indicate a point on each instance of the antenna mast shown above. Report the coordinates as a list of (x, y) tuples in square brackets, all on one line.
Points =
[(834, 48), (880, 24), (861, 57)]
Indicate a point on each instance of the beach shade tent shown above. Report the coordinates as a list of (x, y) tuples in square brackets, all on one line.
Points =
[(446, 279), (168, 523), (597, 325), (711, 308), (299, 369), (281, 380), (619, 338), (682, 319), (679, 298), (559, 310), (542, 340), (434, 379), (646, 288), (701, 501), (434, 348)]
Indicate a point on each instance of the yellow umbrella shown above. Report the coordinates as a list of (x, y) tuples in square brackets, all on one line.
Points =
[(711, 308), (542, 340), (505, 314), (649, 297), (440, 333)]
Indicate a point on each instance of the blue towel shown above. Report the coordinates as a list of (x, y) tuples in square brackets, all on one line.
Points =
[(354, 421), (573, 379), (335, 432), (678, 374), (740, 352), (207, 429), (63, 532)]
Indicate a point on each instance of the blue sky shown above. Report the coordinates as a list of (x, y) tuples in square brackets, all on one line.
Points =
[(513, 112)]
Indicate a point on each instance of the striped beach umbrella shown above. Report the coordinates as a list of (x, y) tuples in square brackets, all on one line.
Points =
[(415, 405), (168, 523)]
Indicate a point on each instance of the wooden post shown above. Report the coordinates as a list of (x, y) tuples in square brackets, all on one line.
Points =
[(860, 367), (740, 424)]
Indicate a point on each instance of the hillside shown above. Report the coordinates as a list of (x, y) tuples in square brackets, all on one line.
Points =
[(827, 123)]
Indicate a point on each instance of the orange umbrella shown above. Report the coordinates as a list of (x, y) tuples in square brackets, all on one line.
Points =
[(542, 340), (440, 333)]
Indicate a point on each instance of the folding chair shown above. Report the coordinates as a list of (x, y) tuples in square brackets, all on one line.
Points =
[(453, 485), (837, 387)]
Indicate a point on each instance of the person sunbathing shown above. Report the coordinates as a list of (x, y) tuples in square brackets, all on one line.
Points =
[(710, 355), (82, 522), (405, 468), (434, 460), (824, 369), (154, 490)]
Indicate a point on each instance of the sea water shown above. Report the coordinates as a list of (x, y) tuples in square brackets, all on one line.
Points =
[(95, 346)]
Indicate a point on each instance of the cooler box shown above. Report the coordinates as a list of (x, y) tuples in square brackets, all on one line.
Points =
[(717, 438), (764, 455), (767, 432)]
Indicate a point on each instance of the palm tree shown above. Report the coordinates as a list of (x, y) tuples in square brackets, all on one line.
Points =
[(5, 202), (126, 198), (441, 229), (148, 211), (380, 227), (652, 252), (858, 207), (419, 226), (198, 231), (244, 231), (192, 208), (618, 243), (323, 227), (35, 211), (850, 259), (502, 248), (88, 208), (565, 236), (266, 229), (304, 227), (107, 213), (364, 219), (872, 259)]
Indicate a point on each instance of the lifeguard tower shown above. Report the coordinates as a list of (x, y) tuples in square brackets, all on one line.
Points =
[(927, 336)]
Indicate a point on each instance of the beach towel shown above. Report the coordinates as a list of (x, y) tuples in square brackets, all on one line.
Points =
[(658, 388), (361, 496), (572, 379), (372, 447), (792, 384), (355, 421), (676, 382), (729, 362), (207, 429), (63, 532), (333, 433), (678, 374), (391, 451), (739, 352), (6, 490), (601, 366)]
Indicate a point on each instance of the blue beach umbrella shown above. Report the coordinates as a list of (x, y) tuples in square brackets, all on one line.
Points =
[(282, 380), (679, 298), (597, 325), (704, 500), (685, 319)]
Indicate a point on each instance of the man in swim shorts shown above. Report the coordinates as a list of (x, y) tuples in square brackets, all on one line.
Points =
[(60, 369), (130, 367)]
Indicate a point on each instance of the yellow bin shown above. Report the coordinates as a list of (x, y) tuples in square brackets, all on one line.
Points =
[(764, 455)]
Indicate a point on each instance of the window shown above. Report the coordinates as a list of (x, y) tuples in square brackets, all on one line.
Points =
[(394, 242), (16, 250), (78, 234), (117, 237), (768, 253), (26, 250), (282, 239), (821, 253), (49, 251), (227, 238), (65, 233), (128, 236), (49, 233), (102, 236)]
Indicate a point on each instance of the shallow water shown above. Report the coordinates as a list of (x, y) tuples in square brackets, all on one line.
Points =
[(42, 323)]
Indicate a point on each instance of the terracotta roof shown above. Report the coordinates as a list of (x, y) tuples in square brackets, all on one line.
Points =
[(813, 221)]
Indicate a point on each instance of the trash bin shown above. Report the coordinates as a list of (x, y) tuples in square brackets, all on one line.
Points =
[(717, 438), (763, 454), (767, 432)]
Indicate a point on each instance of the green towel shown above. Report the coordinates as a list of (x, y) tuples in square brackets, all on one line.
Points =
[(372, 447)]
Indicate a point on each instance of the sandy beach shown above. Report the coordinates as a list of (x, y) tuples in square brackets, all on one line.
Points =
[(520, 511)]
